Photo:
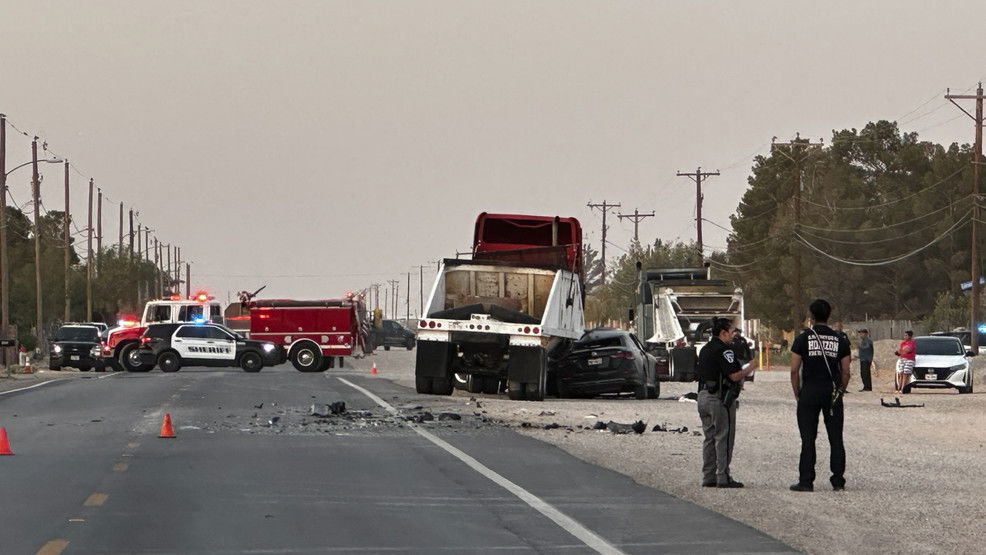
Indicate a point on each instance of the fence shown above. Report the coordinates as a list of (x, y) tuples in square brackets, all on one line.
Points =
[(884, 329)]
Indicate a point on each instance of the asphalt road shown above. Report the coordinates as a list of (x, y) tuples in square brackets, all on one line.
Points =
[(90, 475)]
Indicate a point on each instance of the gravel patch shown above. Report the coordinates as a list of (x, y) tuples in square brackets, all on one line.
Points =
[(913, 474)]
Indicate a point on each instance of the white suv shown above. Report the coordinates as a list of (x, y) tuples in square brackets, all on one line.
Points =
[(941, 362)]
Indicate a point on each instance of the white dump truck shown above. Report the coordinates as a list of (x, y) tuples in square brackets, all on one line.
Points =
[(498, 319), (674, 315)]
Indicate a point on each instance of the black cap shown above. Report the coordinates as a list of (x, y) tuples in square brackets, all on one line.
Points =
[(864, 330)]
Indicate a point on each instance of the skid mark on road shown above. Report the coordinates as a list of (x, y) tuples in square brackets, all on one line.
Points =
[(567, 523), (53, 547), (95, 500)]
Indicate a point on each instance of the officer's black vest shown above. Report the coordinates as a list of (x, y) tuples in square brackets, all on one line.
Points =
[(709, 361)]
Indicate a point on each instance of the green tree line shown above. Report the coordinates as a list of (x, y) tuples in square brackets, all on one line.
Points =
[(882, 231), (115, 282)]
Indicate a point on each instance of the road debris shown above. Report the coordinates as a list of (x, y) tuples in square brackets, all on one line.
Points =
[(690, 397), (664, 428), (449, 416), (637, 427), (896, 404)]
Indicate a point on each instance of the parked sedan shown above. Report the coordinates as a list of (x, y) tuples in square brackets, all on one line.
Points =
[(941, 362), (607, 361)]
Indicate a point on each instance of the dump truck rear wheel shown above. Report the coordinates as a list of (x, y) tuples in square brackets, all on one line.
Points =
[(491, 386), (475, 384)]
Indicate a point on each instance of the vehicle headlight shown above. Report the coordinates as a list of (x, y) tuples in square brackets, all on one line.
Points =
[(56, 349), (94, 351), (268, 347), (957, 367)]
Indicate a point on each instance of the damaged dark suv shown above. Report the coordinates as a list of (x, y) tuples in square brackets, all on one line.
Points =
[(607, 360)]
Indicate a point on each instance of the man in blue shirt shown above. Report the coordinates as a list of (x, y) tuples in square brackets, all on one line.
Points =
[(865, 359)]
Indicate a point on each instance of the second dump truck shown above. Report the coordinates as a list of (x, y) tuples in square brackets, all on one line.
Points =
[(500, 317)]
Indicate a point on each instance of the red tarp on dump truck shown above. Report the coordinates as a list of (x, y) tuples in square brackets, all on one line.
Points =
[(539, 240)]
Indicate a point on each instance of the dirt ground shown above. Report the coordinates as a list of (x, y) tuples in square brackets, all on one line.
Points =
[(914, 474)]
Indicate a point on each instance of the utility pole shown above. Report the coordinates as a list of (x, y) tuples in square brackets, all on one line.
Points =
[(974, 242), (178, 268), (604, 208), (168, 273), (188, 280), (797, 151), (636, 217), (397, 294), (36, 193), (120, 243), (407, 314), (392, 308), (147, 244), (140, 233), (386, 302), (68, 245), (157, 269), (130, 234), (89, 259), (99, 228), (697, 177), (4, 275)]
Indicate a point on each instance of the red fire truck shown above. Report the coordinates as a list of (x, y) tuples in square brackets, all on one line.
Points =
[(120, 349), (314, 333)]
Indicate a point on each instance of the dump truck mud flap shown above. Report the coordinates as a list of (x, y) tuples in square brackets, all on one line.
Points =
[(433, 368), (527, 373), (683, 364)]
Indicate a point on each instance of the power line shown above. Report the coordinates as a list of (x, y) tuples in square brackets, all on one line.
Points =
[(887, 226), (876, 241), (885, 261), (889, 202)]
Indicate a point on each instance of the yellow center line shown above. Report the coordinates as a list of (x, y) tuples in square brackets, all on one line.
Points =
[(53, 547), (96, 500), (120, 467)]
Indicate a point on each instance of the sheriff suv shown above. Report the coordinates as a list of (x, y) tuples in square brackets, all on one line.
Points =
[(171, 346)]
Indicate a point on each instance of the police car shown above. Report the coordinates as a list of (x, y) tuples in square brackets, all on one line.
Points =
[(171, 346)]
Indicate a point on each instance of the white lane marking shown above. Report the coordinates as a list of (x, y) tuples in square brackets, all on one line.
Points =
[(567, 523), (49, 382)]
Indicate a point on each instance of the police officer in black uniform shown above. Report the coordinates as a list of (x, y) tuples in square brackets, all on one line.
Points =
[(824, 354), (720, 379)]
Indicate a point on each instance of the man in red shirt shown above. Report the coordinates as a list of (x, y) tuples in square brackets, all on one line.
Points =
[(905, 364)]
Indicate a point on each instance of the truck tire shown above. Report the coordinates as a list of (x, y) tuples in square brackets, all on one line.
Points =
[(422, 385), (251, 362), (386, 347), (327, 362), (85, 368), (491, 385), (475, 384), (306, 357), (562, 389), (535, 390), (441, 386), (433, 363), (130, 359), (516, 390), (169, 361), (529, 367)]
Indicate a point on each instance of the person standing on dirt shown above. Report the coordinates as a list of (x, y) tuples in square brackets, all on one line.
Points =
[(720, 378), (907, 351), (865, 355), (819, 375)]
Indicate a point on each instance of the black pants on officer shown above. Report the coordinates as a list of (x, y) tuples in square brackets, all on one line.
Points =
[(864, 374), (810, 403)]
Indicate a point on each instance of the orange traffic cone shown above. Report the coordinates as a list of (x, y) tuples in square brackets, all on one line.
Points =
[(166, 430), (4, 444), (374, 370)]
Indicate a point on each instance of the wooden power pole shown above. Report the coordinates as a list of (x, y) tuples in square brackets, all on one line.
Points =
[(36, 193), (974, 241), (797, 151), (698, 176), (99, 227), (89, 259), (636, 217), (68, 245), (604, 208)]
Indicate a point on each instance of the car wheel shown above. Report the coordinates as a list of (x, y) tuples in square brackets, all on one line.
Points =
[(100, 367), (130, 359), (386, 347), (562, 388), (169, 361), (54, 368), (307, 358), (85, 368), (251, 362), (410, 344), (327, 362)]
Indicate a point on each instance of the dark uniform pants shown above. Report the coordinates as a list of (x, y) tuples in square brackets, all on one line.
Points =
[(809, 405), (719, 426), (864, 374)]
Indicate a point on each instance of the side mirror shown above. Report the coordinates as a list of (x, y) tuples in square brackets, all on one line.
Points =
[(970, 354), (631, 314)]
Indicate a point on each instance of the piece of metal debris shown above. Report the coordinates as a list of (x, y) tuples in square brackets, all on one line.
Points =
[(896, 404), (449, 416), (637, 427)]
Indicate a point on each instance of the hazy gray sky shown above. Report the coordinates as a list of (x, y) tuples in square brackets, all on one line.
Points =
[(321, 146)]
